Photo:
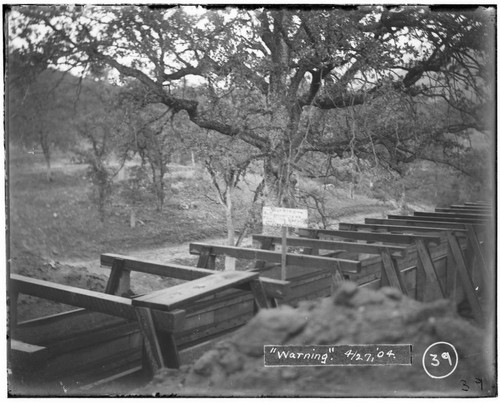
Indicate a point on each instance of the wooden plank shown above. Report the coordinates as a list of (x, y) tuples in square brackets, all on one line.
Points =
[(13, 297), (134, 371), (464, 210), (22, 354), (92, 300), (181, 294), (420, 282), (438, 219), (273, 288), (478, 203), (392, 272), (152, 344), (465, 278), (469, 207), (267, 244), (115, 277), (366, 236), (232, 309), (415, 223), (166, 270), (217, 300), (431, 276), (259, 294), (435, 231), (486, 269), (274, 257), (212, 331), (373, 248), (169, 349), (53, 328), (75, 361), (207, 259), (451, 276), (466, 215)]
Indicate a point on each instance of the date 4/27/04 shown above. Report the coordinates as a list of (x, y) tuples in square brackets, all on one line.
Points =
[(344, 355)]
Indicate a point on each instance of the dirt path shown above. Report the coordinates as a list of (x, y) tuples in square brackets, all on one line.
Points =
[(179, 253), (168, 253)]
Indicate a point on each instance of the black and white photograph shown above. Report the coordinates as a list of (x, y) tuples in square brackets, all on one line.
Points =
[(250, 200)]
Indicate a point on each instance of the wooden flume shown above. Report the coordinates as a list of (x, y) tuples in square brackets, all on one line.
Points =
[(110, 337)]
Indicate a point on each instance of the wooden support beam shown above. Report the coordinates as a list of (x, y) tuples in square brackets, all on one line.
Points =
[(267, 244), (207, 259), (273, 288), (471, 208), (13, 317), (432, 279), (151, 343), (467, 210), (119, 279), (292, 259), (406, 229), (415, 223), (26, 356), (465, 278), (172, 270), (259, 294), (478, 252), (391, 271), (337, 279), (468, 216), (373, 248), (420, 282), (91, 300), (367, 236), (451, 276), (438, 219), (180, 295), (169, 349)]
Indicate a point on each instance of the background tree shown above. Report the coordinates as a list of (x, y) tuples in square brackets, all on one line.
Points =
[(41, 106), (290, 63), (104, 142)]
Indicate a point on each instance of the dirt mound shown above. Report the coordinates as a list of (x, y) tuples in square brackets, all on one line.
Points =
[(352, 316), (29, 264)]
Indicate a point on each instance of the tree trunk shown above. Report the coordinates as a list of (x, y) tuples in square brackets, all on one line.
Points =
[(281, 183), (132, 218), (46, 153), (49, 170), (102, 203), (230, 262)]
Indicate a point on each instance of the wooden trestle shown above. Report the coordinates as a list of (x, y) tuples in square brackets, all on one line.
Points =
[(443, 254)]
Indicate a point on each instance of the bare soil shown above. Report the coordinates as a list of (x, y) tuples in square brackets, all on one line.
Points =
[(352, 316)]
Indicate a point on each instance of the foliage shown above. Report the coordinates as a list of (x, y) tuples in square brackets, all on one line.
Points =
[(98, 126), (267, 75), (40, 108)]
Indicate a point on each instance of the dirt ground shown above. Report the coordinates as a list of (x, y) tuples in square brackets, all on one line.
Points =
[(55, 236), (54, 232), (353, 316)]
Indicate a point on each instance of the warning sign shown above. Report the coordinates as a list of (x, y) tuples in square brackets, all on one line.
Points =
[(284, 217)]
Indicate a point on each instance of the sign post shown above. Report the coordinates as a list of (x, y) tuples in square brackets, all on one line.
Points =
[(284, 218), (284, 231)]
